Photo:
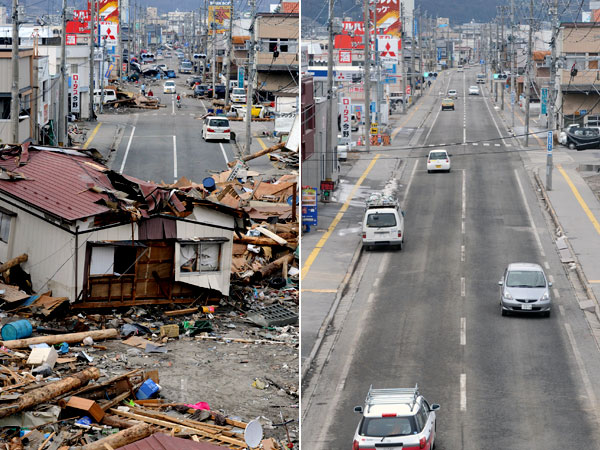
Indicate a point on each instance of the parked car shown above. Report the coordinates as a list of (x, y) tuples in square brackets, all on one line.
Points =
[(169, 87), (524, 287), (216, 128), (438, 160), (447, 103), (396, 419), (191, 81), (219, 91), (238, 95), (562, 137), (109, 96), (583, 138), (162, 67), (201, 90)]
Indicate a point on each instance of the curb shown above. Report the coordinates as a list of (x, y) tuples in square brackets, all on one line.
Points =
[(578, 270), (307, 364)]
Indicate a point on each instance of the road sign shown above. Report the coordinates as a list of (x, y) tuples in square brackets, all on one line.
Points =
[(240, 74), (374, 131), (544, 100), (482, 61), (346, 124), (512, 97), (309, 206), (583, 112), (343, 76), (549, 145), (408, 90)]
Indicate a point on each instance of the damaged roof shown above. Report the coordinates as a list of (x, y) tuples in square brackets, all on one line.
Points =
[(72, 185)]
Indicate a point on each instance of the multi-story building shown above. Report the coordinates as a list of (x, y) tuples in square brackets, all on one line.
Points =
[(26, 76)]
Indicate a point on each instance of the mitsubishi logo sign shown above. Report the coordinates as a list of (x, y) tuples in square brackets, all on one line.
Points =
[(388, 48)]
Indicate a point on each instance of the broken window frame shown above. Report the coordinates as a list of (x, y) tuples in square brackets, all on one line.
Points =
[(6, 217), (130, 270), (199, 244)]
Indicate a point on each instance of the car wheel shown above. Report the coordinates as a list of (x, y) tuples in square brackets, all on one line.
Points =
[(428, 171), (547, 314), (572, 146), (449, 170), (399, 247), (503, 311)]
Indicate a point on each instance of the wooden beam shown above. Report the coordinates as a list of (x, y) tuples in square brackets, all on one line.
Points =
[(13, 262)]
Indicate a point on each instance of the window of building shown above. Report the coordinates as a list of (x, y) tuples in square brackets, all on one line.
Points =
[(577, 59), (109, 260), (5, 108), (45, 91), (593, 61), (5, 220), (200, 257), (283, 45), (26, 105)]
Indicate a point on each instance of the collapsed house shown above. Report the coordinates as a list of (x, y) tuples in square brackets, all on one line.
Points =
[(104, 239)]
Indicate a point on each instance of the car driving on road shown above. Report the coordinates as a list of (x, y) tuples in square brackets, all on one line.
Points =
[(169, 87), (452, 93), (525, 288), (447, 103), (438, 160), (216, 128), (396, 419), (383, 223), (473, 90)]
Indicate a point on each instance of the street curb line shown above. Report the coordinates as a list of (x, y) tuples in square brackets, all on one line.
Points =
[(306, 365), (578, 270)]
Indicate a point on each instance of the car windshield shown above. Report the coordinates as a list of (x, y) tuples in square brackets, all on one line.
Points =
[(387, 426), (170, 83), (525, 279), (438, 155), (475, 88), (239, 91), (381, 220), (451, 92), (219, 123)]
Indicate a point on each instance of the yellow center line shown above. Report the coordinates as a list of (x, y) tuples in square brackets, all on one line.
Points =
[(262, 144), (320, 291), (583, 204), (313, 255), (593, 281), (92, 136), (397, 130)]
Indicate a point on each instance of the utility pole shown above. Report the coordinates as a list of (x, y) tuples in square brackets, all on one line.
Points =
[(15, 103), (367, 74), (377, 118), (329, 118), (228, 55), (63, 79), (213, 25), (402, 58), (513, 74), (502, 53), (528, 74), (92, 64), (412, 56), (420, 54), (497, 54), (552, 94), (129, 55), (251, 72), (119, 57)]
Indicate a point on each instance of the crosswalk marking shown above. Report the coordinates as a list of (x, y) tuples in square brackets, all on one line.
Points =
[(486, 144)]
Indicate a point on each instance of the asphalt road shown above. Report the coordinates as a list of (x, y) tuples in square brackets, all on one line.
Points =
[(167, 144), (430, 314)]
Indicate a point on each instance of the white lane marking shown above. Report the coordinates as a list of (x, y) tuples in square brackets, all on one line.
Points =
[(175, 158), (464, 195), (546, 265), (341, 386), (127, 150), (371, 298), (376, 282), (463, 287), (556, 293), (486, 144), (584, 375), (496, 145), (204, 106), (463, 391), (432, 125), (529, 215), (487, 103), (384, 263), (173, 105), (224, 154), (561, 308), (551, 278), (465, 134), (463, 331), (410, 180), (475, 144), (462, 253)]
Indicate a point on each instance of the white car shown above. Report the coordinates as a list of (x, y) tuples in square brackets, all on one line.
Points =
[(216, 128), (396, 419), (452, 93), (169, 87), (383, 223), (438, 160), (473, 90), (460, 69), (238, 95)]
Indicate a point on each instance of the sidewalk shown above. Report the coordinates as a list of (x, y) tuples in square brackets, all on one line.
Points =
[(574, 197), (331, 251)]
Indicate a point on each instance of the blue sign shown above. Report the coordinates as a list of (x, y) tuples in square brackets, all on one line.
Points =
[(482, 61), (439, 54), (583, 112), (389, 80), (549, 146), (544, 100), (373, 107), (309, 207), (241, 71)]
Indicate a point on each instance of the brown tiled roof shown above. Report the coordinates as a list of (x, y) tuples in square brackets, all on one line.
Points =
[(290, 7)]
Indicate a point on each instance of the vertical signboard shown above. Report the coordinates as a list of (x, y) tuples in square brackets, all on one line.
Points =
[(240, 76), (309, 206), (387, 13), (346, 120), (219, 11), (549, 144), (75, 93), (544, 100)]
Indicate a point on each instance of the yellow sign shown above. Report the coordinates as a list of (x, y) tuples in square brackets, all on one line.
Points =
[(374, 130), (218, 14)]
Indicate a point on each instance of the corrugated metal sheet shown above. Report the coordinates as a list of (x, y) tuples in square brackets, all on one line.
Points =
[(161, 441)]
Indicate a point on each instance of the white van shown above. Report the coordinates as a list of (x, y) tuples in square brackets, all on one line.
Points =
[(383, 223), (238, 95), (109, 96)]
